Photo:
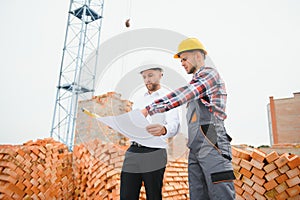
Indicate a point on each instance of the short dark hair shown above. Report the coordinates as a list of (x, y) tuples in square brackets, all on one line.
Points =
[(193, 50)]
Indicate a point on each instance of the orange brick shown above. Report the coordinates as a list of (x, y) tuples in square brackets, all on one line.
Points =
[(257, 164), (297, 197), (245, 164), (259, 181), (19, 171), (238, 189), (236, 152), (258, 155), (259, 173), (238, 182), (270, 185), (34, 157), (294, 162), (270, 167), (281, 187), (248, 189), (293, 181), (236, 167), (27, 183), (8, 151), (246, 173), (35, 150), (261, 190), (5, 190), (20, 185), (258, 196), (238, 197), (281, 178), (247, 181), (16, 190), (12, 165), (8, 178), (293, 191), (271, 194), (35, 190), (282, 160), (272, 175), (272, 156), (34, 177), (10, 172), (248, 196), (284, 169), (237, 175), (293, 172), (236, 160), (282, 196)]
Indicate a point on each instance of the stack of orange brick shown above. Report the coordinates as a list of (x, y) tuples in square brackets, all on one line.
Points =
[(176, 180), (45, 170), (266, 176), (97, 168), (36, 170)]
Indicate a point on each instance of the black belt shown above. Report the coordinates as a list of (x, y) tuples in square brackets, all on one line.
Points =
[(138, 148)]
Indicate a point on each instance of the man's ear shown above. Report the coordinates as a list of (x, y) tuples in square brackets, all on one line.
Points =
[(198, 54)]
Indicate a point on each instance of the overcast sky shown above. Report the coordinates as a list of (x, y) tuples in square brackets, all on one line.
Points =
[(254, 44)]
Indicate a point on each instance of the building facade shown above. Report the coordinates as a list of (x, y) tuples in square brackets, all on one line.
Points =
[(284, 120)]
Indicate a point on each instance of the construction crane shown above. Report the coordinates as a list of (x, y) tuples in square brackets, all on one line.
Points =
[(78, 66)]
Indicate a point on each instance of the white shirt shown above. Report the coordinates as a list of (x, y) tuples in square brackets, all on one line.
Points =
[(169, 119)]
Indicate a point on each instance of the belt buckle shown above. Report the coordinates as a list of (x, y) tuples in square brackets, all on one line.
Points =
[(136, 144)]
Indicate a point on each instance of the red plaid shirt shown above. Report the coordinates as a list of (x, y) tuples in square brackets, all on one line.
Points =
[(206, 85)]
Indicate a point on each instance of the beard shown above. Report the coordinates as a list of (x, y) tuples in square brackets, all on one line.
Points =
[(192, 70), (152, 87)]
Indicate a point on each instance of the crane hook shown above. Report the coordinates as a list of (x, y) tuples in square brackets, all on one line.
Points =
[(127, 24)]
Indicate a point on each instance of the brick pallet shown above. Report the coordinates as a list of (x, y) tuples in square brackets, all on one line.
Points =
[(266, 176)]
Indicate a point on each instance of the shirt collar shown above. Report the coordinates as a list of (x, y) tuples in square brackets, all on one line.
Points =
[(198, 71), (156, 93)]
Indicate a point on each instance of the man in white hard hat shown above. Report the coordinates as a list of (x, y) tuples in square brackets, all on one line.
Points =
[(209, 164), (146, 163)]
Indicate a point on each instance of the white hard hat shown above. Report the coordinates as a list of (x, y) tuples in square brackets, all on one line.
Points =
[(149, 65)]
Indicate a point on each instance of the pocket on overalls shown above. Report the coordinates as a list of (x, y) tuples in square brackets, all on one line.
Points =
[(210, 132), (223, 142), (218, 138)]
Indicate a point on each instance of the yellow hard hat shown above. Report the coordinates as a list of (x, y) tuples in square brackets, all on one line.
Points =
[(188, 45)]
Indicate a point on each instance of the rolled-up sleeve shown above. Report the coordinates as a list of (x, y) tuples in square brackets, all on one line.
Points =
[(172, 123), (207, 83)]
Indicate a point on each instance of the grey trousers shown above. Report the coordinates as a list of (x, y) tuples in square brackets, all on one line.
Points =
[(209, 167)]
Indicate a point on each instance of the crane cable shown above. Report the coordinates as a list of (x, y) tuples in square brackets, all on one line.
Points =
[(127, 24)]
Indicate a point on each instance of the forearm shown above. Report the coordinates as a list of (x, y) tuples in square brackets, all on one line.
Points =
[(174, 99)]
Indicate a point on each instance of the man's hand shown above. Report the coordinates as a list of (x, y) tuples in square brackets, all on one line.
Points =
[(156, 129), (144, 112)]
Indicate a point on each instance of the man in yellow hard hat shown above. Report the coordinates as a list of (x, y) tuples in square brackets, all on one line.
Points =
[(209, 163)]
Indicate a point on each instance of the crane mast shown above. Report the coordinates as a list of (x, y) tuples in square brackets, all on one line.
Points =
[(78, 66)]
